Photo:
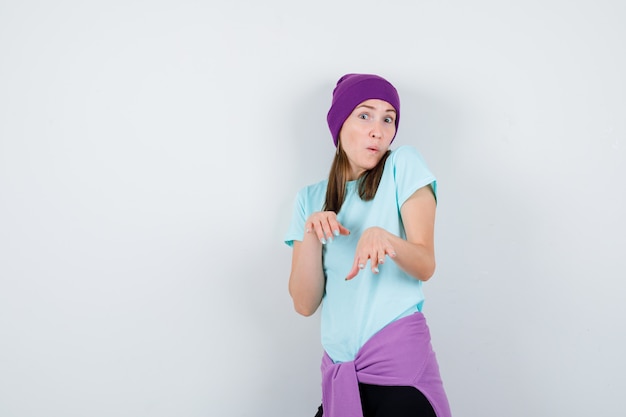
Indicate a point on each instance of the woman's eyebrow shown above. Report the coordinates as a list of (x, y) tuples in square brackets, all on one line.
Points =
[(374, 108)]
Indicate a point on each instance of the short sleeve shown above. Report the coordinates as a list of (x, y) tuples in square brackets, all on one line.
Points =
[(298, 218), (411, 173)]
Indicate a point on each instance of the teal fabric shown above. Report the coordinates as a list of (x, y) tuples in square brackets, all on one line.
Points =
[(353, 311)]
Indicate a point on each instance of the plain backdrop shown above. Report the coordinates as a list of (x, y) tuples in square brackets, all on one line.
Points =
[(150, 152)]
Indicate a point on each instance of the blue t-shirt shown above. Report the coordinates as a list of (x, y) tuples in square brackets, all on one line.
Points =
[(353, 311)]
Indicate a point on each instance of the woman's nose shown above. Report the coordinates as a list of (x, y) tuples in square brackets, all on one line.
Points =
[(376, 131)]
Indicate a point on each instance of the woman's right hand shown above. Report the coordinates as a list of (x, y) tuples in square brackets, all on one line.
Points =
[(325, 226)]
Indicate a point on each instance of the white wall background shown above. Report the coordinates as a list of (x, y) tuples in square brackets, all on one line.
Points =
[(150, 153)]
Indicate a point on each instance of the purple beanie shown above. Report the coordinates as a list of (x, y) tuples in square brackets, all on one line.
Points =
[(354, 89)]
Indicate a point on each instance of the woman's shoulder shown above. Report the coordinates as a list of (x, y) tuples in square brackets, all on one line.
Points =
[(407, 163), (406, 153), (314, 190), (405, 150)]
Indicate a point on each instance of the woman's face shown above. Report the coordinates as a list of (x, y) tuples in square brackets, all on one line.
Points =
[(366, 134)]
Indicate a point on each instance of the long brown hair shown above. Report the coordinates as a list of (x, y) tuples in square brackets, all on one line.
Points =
[(338, 177)]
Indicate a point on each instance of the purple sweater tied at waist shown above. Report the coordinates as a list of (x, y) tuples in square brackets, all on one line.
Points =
[(400, 354)]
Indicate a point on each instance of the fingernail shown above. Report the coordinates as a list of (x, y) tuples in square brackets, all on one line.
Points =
[(361, 266), (323, 241), (336, 232), (376, 270)]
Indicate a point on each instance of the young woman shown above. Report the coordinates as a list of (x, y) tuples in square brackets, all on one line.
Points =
[(362, 247)]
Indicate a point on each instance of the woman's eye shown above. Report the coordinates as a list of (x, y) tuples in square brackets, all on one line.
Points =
[(364, 116), (388, 120)]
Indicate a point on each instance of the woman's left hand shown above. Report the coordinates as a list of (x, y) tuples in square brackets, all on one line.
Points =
[(374, 245)]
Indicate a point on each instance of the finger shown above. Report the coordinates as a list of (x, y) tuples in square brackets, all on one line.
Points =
[(336, 227), (381, 257), (319, 231), (327, 229), (379, 260), (362, 259), (374, 264), (356, 267), (333, 226), (353, 273)]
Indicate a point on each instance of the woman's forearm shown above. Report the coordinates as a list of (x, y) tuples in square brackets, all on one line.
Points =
[(306, 282), (415, 259)]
